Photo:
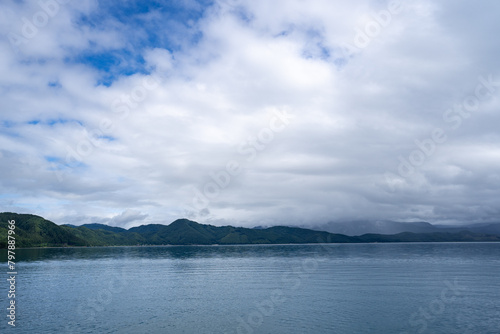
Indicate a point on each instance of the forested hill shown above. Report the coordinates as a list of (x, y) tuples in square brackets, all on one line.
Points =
[(35, 231)]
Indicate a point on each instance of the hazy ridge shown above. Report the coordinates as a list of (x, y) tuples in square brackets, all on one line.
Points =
[(35, 231)]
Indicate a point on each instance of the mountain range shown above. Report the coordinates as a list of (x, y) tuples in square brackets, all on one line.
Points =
[(353, 228), (35, 231)]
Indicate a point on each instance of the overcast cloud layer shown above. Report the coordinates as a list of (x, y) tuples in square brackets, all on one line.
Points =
[(250, 112)]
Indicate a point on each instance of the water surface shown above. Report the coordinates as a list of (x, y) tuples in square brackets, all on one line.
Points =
[(348, 288)]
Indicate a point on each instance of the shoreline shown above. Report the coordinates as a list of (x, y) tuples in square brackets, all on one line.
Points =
[(284, 244)]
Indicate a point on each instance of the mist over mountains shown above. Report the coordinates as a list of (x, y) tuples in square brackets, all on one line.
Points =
[(354, 228), (35, 231)]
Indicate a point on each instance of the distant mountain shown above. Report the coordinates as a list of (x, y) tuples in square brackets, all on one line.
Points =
[(476, 228), (462, 236), (184, 232), (354, 228), (35, 231), (100, 227)]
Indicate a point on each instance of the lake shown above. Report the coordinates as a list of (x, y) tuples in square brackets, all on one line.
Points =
[(328, 288)]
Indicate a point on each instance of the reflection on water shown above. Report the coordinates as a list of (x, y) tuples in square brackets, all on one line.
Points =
[(394, 251), (170, 252)]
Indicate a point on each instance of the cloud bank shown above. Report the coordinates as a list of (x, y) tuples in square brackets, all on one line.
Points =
[(250, 112)]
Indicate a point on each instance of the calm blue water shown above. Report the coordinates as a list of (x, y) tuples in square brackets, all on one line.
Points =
[(366, 288)]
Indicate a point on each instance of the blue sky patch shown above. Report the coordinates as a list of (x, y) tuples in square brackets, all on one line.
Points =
[(52, 159), (108, 138), (57, 163), (144, 25), (54, 84), (54, 121), (7, 124)]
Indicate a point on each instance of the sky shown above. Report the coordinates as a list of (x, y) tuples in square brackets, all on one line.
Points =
[(250, 112)]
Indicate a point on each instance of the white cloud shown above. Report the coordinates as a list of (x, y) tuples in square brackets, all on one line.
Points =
[(133, 152)]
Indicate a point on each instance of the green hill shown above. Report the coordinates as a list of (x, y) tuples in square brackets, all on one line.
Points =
[(35, 231)]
